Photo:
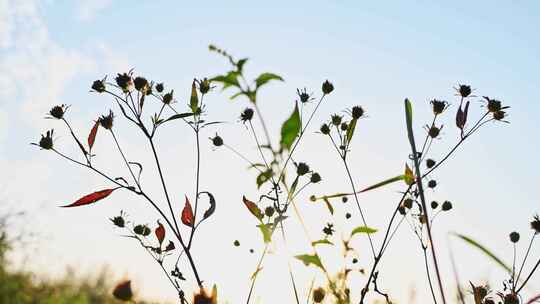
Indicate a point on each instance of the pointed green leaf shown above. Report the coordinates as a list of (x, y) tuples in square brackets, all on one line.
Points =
[(309, 259), (321, 242), (363, 229), (290, 129), (266, 77), (350, 129), (266, 230), (484, 250), (383, 183)]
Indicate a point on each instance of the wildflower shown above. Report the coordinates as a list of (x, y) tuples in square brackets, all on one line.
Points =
[(514, 237), (269, 211), (430, 163), (357, 112), (315, 177), (535, 224), (124, 81), (329, 229), (246, 115), (318, 295), (325, 129), (336, 120), (123, 291), (160, 87), (304, 96), (438, 106), (58, 111), (327, 87), (46, 142), (217, 140), (168, 98), (99, 86), (302, 169), (141, 84), (446, 206), (106, 121), (464, 90)]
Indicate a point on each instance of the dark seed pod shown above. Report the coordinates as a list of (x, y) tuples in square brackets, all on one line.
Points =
[(325, 129), (355, 260), (344, 199), (98, 86), (57, 112), (315, 177), (464, 90), (446, 206), (357, 112), (347, 215), (168, 98), (344, 126), (217, 140), (118, 221), (535, 224), (432, 184), (318, 295), (141, 84), (236, 243), (402, 210), (434, 132), (160, 87), (430, 163), (124, 82), (204, 86), (106, 121), (302, 169), (269, 211), (246, 115), (434, 205), (438, 106), (336, 120), (46, 142), (327, 87), (408, 203), (514, 237)]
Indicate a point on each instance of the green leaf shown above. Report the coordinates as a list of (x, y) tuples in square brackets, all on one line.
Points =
[(350, 129), (309, 259), (363, 229), (263, 177), (321, 242), (240, 64), (408, 177), (234, 96), (484, 250), (290, 129), (383, 183), (266, 230), (228, 80), (266, 77)]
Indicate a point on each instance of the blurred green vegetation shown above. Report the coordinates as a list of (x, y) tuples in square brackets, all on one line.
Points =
[(23, 287)]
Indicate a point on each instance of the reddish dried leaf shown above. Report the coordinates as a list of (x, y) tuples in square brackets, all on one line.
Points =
[(187, 214), (91, 198), (160, 233), (123, 291), (92, 135), (252, 207)]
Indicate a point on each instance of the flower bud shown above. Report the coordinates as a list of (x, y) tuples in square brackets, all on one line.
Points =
[(246, 115), (336, 120), (160, 87), (269, 211), (434, 205), (204, 86), (106, 121), (430, 163), (344, 199), (535, 224), (124, 81), (464, 90), (438, 106), (434, 131), (325, 129), (302, 169), (327, 87), (432, 184), (514, 237), (168, 98), (217, 141), (446, 206), (118, 221), (499, 115), (58, 111), (46, 142), (98, 86), (315, 177), (357, 112)]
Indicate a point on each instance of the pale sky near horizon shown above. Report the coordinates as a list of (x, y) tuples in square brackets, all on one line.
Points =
[(375, 53)]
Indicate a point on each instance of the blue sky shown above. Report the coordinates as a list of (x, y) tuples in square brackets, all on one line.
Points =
[(375, 53)]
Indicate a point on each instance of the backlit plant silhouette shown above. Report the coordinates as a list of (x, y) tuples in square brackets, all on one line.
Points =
[(283, 179)]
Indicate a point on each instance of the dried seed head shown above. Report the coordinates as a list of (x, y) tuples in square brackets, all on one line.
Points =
[(318, 295), (302, 169), (141, 84), (118, 221), (434, 131), (246, 115), (204, 86), (124, 81), (434, 205), (327, 87), (142, 230), (325, 129), (58, 111), (269, 211), (446, 206), (347, 215), (464, 90), (493, 105), (98, 86), (344, 126), (344, 199), (438, 106), (514, 237), (430, 163), (315, 177), (432, 184), (357, 112), (499, 115), (217, 140), (336, 120), (160, 87), (46, 142), (236, 243), (168, 98), (511, 298), (106, 121), (535, 224), (303, 95)]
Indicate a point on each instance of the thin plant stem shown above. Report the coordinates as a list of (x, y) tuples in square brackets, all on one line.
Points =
[(526, 256)]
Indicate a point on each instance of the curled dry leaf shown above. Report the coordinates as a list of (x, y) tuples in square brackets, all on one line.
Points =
[(91, 198), (187, 214), (92, 135), (160, 233)]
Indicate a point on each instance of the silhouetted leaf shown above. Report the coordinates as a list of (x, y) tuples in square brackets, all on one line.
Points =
[(91, 198), (266, 230), (187, 214), (321, 242), (253, 208), (212, 207), (383, 183), (363, 229), (266, 77), (177, 116), (92, 135), (486, 251), (160, 233), (290, 129), (309, 259)]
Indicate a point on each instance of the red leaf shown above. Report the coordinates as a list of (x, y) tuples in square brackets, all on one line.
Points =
[(92, 135), (160, 233), (252, 207), (91, 198), (187, 214)]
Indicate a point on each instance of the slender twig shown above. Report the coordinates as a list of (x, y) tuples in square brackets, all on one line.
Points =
[(526, 256)]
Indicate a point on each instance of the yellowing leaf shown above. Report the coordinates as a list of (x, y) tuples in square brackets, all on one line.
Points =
[(408, 176)]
